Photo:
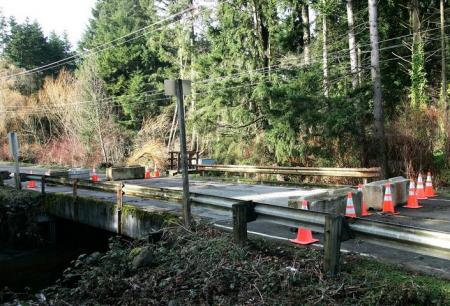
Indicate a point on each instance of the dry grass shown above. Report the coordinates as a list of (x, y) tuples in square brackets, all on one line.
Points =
[(153, 154)]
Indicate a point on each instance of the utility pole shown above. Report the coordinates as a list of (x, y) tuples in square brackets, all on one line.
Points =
[(444, 80), (14, 150), (180, 88), (376, 81)]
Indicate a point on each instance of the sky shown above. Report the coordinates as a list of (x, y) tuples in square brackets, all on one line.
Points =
[(71, 16)]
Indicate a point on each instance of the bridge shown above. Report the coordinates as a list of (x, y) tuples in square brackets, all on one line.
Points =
[(139, 207)]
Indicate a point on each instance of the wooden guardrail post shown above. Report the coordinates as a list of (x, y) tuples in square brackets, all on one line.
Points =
[(332, 244), (43, 185), (75, 188), (119, 201), (242, 214)]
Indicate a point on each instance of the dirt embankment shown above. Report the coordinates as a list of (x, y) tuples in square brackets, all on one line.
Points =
[(203, 267), (18, 218)]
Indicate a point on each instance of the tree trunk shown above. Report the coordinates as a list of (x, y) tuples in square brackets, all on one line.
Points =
[(262, 30), (360, 71), (376, 80), (352, 45), (325, 56), (444, 80), (306, 33), (100, 135)]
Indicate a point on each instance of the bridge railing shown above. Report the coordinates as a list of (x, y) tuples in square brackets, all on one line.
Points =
[(413, 239), (364, 173)]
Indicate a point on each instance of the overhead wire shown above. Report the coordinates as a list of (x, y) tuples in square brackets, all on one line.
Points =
[(98, 49)]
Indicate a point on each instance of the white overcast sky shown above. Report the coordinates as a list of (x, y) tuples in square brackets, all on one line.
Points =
[(71, 16)]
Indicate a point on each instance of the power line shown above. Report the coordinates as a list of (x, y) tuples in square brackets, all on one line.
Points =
[(148, 93), (105, 101), (99, 48)]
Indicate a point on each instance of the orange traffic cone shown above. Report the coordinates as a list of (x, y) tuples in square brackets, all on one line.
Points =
[(350, 209), (429, 190), (156, 173), (94, 176), (364, 211), (412, 199), (31, 183), (147, 173), (388, 205), (420, 192), (304, 236)]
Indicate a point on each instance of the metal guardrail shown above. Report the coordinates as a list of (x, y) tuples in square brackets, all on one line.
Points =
[(369, 173), (419, 240)]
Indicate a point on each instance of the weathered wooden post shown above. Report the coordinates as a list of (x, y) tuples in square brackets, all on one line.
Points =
[(240, 223), (119, 201), (332, 244), (243, 213), (14, 150), (180, 88), (75, 188), (43, 185)]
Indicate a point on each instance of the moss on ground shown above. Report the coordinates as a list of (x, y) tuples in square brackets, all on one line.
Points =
[(18, 218), (10, 196)]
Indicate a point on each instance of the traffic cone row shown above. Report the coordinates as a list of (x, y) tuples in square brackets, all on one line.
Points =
[(149, 175), (415, 194), (31, 183), (304, 235)]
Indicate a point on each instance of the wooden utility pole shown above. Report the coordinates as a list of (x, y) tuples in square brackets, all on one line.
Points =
[(183, 150), (376, 81), (444, 80), (180, 88), (14, 151)]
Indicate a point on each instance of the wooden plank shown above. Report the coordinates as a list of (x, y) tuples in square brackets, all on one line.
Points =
[(342, 172), (373, 169), (332, 244)]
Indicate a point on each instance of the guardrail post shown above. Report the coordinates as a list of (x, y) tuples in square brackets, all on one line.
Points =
[(43, 185), (75, 188), (332, 244), (242, 213), (119, 201)]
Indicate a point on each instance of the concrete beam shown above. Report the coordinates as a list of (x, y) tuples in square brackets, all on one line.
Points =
[(374, 192), (125, 173), (331, 201), (136, 222)]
